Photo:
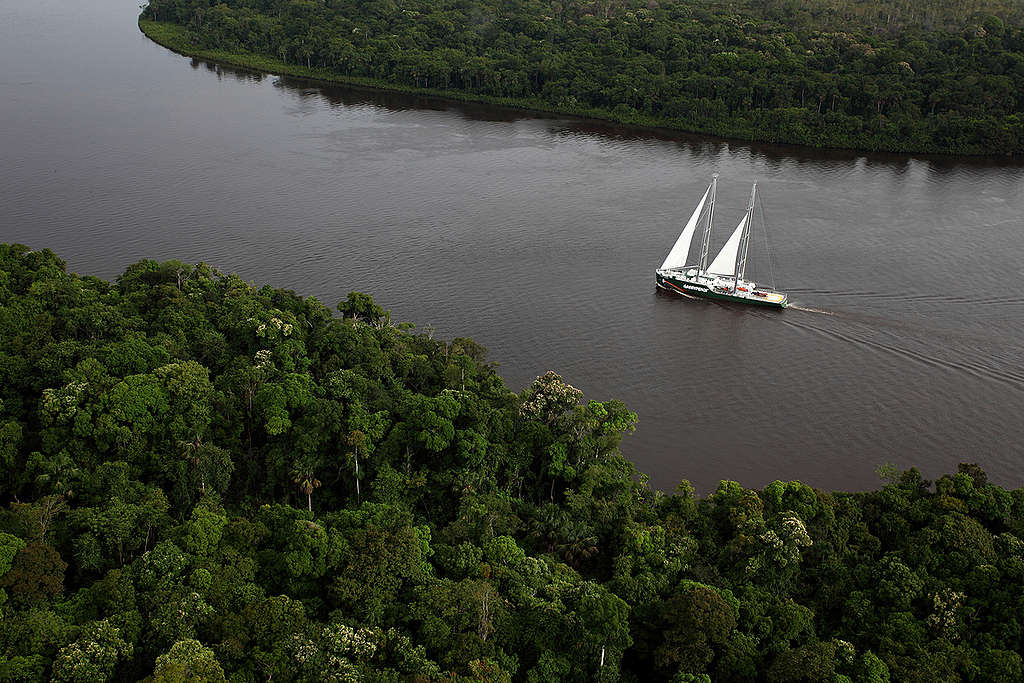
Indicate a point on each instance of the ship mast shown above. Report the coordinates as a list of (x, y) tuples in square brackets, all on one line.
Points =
[(741, 253), (705, 243)]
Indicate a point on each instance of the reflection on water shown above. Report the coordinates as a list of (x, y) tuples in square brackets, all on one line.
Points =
[(538, 235)]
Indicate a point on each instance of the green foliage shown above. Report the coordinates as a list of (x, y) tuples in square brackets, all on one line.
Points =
[(696, 622), (359, 306), (35, 577), (204, 529), (92, 657), (188, 661), (878, 75), (812, 662), (9, 547), (172, 430), (870, 669)]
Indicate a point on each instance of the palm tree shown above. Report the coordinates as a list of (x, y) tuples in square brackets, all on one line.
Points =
[(303, 476), (190, 451), (578, 544)]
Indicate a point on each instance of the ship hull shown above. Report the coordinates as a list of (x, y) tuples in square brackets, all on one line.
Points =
[(689, 288)]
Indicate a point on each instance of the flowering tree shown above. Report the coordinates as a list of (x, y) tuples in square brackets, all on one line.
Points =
[(187, 661), (93, 656)]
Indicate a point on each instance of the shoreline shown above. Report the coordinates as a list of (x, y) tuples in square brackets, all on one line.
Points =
[(173, 37)]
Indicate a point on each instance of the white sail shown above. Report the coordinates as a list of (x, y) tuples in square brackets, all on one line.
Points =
[(725, 262), (677, 256)]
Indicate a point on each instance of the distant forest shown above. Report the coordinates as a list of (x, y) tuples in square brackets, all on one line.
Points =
[(944, 76), (206, 480)]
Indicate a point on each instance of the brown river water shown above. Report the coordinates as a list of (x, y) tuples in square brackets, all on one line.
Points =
[(538, 237)]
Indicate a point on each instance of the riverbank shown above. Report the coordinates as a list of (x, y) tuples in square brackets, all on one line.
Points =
[(174, 37)]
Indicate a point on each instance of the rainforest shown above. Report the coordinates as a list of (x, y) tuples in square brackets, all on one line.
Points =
[(938, 77), (205, 479)]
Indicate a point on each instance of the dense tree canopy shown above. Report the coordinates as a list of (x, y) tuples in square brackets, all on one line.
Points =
[(180, 501), (942, 76)]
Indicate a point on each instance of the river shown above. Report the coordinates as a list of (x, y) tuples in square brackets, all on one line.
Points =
[(538, 237)]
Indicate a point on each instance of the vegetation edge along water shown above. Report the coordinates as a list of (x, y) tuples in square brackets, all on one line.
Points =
[(203, 479), (175, 38), (878, 75), (794, 128)]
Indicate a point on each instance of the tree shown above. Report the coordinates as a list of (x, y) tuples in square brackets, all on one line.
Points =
[(606, 619), (36, 575), (38, 518), (188, 661), (429, 420), (132, 414), (696, 622), (207, 464), (93, 656), (205, 528), (303, 474), (9, 548), (365, 430), (189, 392), (357, 442), (811, 662), (549, 398), (11, 433), (870, 669), (360, 307), (384, 555), (336, 654), (124, 523)]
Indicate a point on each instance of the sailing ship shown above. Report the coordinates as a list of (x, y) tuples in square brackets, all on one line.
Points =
[(723, 277)]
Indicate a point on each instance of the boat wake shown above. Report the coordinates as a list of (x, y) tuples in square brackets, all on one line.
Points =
[(944, 299), (953, 354), (805, 309)]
